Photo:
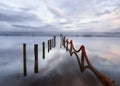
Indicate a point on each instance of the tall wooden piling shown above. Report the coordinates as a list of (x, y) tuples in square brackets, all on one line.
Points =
[(52, 44), (54, 41), (36, 58), (64, 41), (43, 44), (48, 45), (24, 60), (67, 45), (61, 41)]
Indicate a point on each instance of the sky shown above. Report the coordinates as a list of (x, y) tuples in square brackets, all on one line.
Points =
[(60, 15)]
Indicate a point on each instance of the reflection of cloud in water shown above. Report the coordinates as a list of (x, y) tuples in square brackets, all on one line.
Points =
[(59, 69), (107, 67), (64, 73), (63, 70), (113, 55)]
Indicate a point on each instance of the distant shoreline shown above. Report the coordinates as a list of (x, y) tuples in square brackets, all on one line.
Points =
[(70, 34), (64, 35)]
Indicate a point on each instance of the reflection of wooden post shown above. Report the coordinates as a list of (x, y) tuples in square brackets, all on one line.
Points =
[(54, 41), (24, 60), (36, 58), (43, 44), (48, 45)]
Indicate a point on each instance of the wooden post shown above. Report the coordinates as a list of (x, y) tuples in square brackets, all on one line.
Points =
[(71, 48), (64, 41), (67, 45), (36, 58), (52, 44), (54, 41), (24, 60), (43, 44), (48, 45), (61, 41)]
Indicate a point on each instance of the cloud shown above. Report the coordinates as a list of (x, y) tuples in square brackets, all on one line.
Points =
[(10, 14), (23, 26), (36, 28), (4, 26), (99, 15), (103, 13), (78, 8), (58, 12), (16, 17), (26, 9)]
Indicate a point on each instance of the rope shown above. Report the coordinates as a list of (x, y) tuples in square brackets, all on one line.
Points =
[(105, 81)]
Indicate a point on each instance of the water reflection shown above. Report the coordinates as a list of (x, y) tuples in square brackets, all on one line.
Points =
[(103, 53), (58, 69)]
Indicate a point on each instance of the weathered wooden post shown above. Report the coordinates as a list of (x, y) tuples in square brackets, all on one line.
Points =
[(67, 45), (64, 41), (51, 43), (61, 40), (48, 45), (43, 44), (71, 47), (24, 60), (36, 58), (54, 41)]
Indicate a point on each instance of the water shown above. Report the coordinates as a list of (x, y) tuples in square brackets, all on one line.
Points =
[(11, 54), (103, 53)]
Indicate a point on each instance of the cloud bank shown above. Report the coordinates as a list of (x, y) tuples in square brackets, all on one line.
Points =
[(64, 15)]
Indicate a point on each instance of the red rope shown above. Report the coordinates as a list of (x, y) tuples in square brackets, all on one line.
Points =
[(102, 78)]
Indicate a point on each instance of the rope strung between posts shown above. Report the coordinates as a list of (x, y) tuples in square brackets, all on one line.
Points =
[(105, 81)]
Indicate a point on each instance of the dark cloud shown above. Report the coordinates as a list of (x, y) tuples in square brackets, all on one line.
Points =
[(17, 17), (4, 6), (36, 28), (10, 14), (103, 13), (24, 26), (27, 9)]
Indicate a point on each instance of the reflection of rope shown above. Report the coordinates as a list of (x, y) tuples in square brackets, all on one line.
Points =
[(105, 81)]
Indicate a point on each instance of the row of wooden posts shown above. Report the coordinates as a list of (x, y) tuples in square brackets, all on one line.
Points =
[(51, 44)]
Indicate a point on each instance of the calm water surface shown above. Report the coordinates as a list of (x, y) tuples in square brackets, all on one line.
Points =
[(103, 53)]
